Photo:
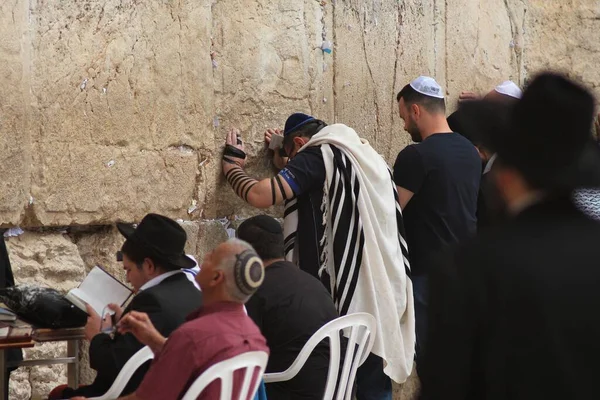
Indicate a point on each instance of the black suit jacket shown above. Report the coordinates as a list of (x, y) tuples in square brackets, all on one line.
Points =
[(515, 313), (167, 304)]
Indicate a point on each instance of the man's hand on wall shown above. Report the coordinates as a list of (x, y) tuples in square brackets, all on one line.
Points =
[(597, 126), (278, 161), (234, 153), (468, 96)]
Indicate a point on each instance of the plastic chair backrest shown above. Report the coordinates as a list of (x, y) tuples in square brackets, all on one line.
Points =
[(132, 365), (360, 328), (224, 371)]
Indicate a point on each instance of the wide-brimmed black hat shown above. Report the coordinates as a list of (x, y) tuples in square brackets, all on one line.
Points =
[(546, 135), (161, 237)]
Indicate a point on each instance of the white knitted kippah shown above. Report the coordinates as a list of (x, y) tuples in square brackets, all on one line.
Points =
[(509, 88), (428, 87)]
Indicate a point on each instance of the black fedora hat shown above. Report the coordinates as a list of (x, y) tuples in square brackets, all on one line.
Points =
[(546, 135), (161, 237)]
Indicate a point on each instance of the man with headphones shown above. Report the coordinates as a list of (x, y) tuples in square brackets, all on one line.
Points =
[(217, 331)]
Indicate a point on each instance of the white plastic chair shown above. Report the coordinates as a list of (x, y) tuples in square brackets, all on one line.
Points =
[(362, 327), (132, 365), (225, 370)]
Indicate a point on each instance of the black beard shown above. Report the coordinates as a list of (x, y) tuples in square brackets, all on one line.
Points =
[(415, 135)]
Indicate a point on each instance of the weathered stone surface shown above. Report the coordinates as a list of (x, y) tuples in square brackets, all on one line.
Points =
[(210, 235), (374, 57), (564, 36), (19, 387), (110, 110), (113, 109), (484, 52), (100, 248), (81, 185), (52, 260), (123, 83), (15, 143), (46, 259), (45, 378)]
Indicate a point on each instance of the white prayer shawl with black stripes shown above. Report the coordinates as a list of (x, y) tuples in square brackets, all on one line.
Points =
[(363, 248)]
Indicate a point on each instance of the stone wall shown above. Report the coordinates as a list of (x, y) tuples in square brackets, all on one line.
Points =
[(110, 109)]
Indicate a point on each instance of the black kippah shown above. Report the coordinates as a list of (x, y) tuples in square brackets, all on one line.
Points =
[(264, 222)]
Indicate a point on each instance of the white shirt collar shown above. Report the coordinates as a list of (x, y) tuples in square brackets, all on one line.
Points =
[(488, 166), (158, 279)]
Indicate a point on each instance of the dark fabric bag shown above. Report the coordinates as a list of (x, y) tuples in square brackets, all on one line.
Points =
[(43, 307)]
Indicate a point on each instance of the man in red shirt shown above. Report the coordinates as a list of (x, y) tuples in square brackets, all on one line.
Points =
[(218, 331)]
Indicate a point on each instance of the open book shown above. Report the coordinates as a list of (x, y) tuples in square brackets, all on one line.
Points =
[(99, 289)]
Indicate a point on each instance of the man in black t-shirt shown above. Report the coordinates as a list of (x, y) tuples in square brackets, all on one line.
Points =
[(438, 181), (289, 307)]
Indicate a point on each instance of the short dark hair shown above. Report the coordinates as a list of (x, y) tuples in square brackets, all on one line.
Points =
[(267, 242), (411, 96), (137, 254), (309, 130)]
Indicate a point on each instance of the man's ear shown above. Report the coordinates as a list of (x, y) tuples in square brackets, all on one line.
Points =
[(218, 278), (148, 265), (299, 141), (415, 110)]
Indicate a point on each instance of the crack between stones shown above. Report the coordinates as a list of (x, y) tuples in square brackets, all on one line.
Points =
[(398, 36), (334, 59), (446, 66), (364, 45)]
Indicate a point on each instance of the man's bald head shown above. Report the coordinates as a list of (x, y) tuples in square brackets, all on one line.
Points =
[(220, 274)]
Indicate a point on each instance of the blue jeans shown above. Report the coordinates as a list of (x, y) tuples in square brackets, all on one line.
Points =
[(421, 294), (371, 382)]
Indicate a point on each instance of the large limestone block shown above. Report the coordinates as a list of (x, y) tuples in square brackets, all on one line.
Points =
[(100, 247), (210, 235), (119, 82), (123, 73), (46, 259), (483, 44), (563, 35), (268, 64), (15, 146), (82, 185), (379, 47)]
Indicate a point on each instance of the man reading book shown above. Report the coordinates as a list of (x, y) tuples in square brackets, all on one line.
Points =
[(217, 331), (153, 258)]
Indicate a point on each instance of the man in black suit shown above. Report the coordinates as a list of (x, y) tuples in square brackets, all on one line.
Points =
[(490, 208), (153, 257), (514, 314)]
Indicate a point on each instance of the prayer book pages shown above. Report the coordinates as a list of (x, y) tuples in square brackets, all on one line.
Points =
[(99, 289)]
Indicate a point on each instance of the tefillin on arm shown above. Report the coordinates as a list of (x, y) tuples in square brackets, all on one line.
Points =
[(237, 178)]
